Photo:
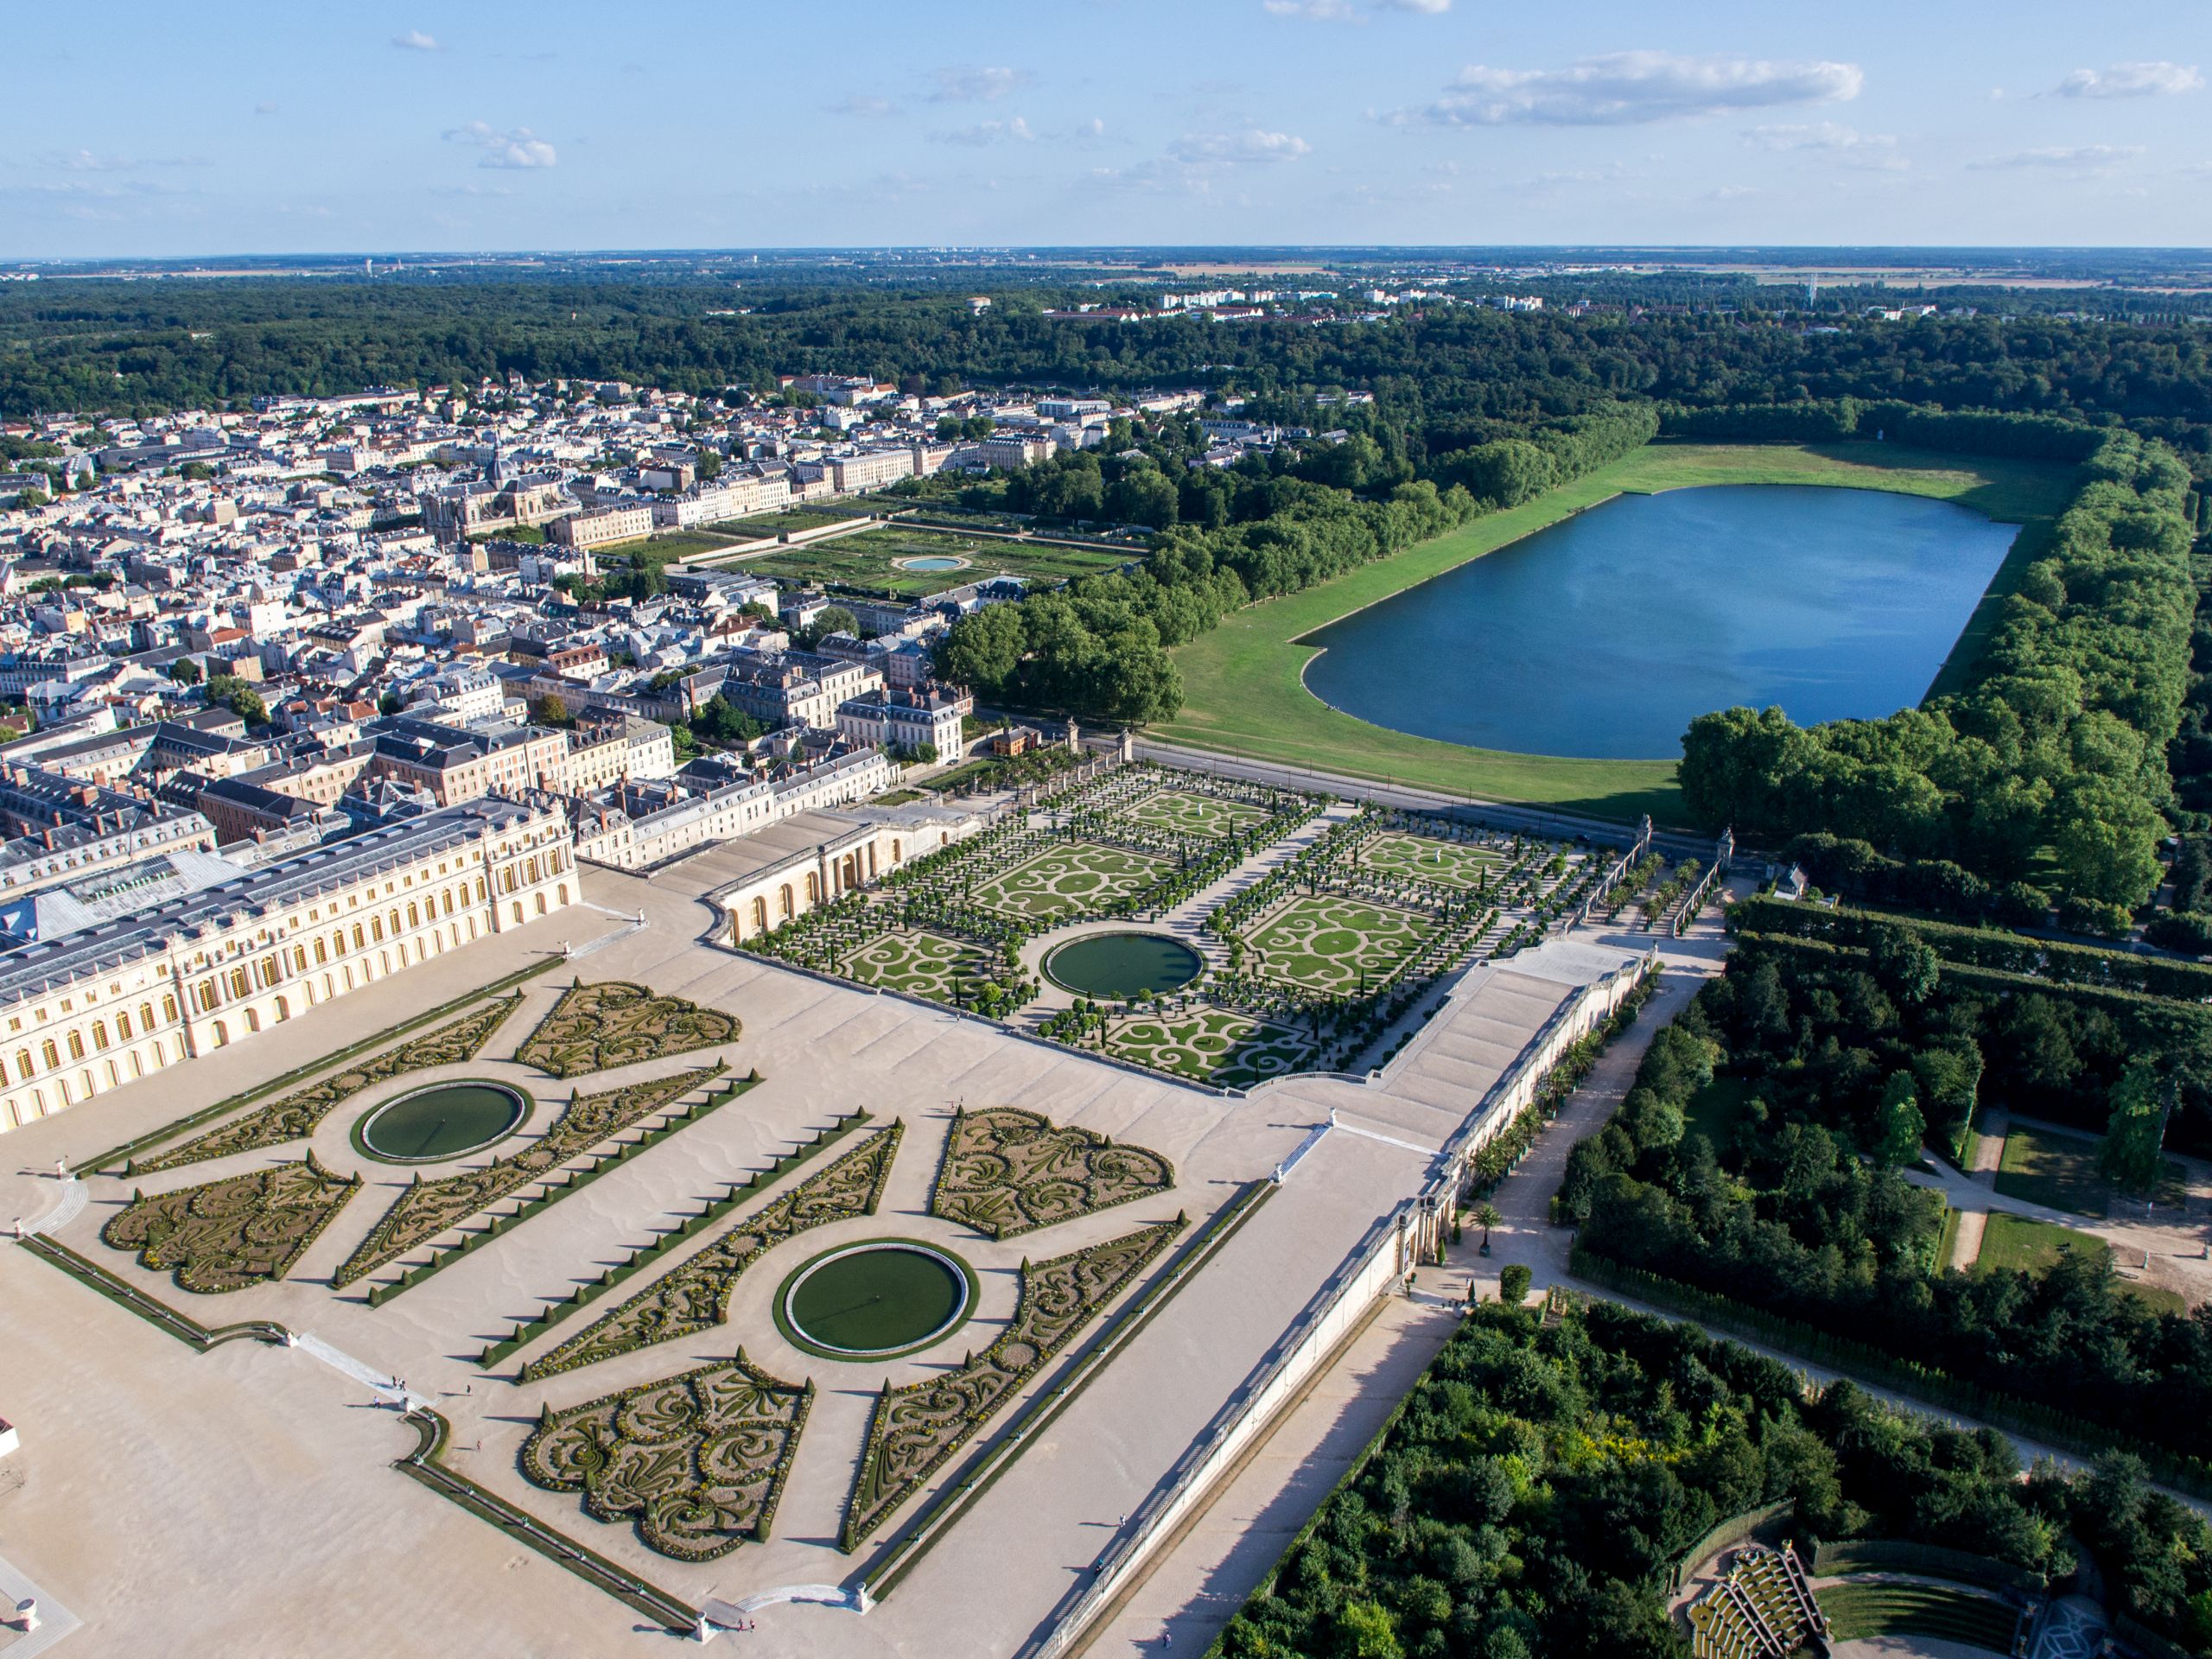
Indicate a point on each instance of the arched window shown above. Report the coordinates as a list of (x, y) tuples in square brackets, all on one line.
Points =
[(76, 1044), (563, 890), (222, 1034), (414, 916), (360, 939), (284, 1009), (321, 952), (99, 1033), (376, 928), (252, 1021), (145, 1016), (23, 1063), (482, 892), (760, 915), (123, 1026), (168, 1007)]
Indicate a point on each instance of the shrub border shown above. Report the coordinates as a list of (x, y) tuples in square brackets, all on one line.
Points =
[(115, 1156), (645, 1256), (554, 1188)]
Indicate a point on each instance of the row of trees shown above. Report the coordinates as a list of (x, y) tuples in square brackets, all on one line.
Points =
[(1543, 1481), (1097, 648), (1756, 1159), (1462, 372), (2060, 745)]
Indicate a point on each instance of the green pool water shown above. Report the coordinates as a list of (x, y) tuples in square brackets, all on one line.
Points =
[(876, 1299), (933, 562), (1119, 965), (442, 1123)]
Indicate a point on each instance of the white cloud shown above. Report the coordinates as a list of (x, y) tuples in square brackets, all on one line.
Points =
[(1624, 88), (1196, 162), (862, 104), (517, 149), (1013, 131), (415, 40), (985, 86), (87, 161), (2132, 80), (1344, 11), (2075, 158), (1234, 148), (1846, 144)]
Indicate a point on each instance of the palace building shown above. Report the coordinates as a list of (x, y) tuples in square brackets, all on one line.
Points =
[(90, 1011)]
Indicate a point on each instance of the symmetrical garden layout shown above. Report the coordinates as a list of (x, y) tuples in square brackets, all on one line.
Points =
[(1325, 922)]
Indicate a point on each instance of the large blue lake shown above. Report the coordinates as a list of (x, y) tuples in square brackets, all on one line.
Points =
[(1606, 635)]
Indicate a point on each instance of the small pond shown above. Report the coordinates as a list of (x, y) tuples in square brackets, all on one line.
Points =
[(875, 1300), (441, 1122), (1117, 966), (933, 562), (1606, 635)]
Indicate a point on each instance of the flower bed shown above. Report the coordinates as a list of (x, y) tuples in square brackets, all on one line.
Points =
[(295, 1114), (597, 1027), (429, 1208), (698, 1460), (247, 1229), (692, 1298), (916, 1428), (1008, 1172)]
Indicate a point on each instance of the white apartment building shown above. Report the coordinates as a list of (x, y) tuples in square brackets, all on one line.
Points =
[(608, 525), (93, 1010)]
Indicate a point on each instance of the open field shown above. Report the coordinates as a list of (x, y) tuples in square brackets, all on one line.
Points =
[(2059, 1171), (1243, 693), (870, 560), (2032, 1247)]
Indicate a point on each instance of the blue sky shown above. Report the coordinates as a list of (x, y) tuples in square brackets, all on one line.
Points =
[(241, 127)]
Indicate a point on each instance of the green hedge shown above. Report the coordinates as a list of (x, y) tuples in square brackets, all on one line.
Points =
[(1835, 1561), (2046, 960), (560, 1187), (299, 1073), (646, 1255), (2008, 1413)]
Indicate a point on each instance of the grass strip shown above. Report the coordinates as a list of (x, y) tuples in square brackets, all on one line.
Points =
[(425, 1465)]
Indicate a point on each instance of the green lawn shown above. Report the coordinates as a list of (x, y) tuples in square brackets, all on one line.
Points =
[(2059, 1171), (2032, 1247), (1880, 1608), (870, 560), (1243, 693)]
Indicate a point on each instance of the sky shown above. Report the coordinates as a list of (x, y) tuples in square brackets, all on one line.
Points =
[(177, 131)]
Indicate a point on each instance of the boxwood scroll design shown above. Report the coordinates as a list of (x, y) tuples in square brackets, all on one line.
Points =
[(916, 1428), (295, 1116), (429, 1208), (598, 1027), (693, 1296), (698, 1459), (227, 1235), (1008, 1172)]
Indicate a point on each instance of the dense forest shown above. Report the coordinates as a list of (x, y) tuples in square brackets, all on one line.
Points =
[(1757, 1158), (2054, 767), (1457, 372), (1098, 647), (1544, 1478)]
